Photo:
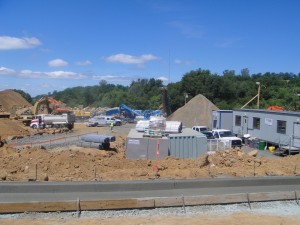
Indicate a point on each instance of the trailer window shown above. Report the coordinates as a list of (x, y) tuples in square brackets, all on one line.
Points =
[(281, 126), (238, 120), (256, 123)]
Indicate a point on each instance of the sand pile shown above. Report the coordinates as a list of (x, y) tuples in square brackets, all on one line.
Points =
[(198, 111), (11, 100)]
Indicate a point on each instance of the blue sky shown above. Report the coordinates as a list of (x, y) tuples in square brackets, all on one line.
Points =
[(48, 45)]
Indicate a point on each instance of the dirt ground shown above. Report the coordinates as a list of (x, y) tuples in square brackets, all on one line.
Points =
[(83, 164), (78, 164), (74, 163)]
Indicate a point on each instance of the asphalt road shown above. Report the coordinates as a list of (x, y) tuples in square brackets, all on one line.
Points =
[(118, 190)]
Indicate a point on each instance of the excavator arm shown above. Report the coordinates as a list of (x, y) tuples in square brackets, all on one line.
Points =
[(39, 103)]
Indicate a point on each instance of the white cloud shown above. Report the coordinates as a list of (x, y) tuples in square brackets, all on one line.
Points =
[(57, 63), (6, 71), (56, 75), (182, 62), (50, 75), (64, 75), (162, 78), (11, 43), (84, 63), (130, 59)]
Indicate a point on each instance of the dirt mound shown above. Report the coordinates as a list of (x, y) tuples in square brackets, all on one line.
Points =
[(236, 162), (11, 100), (11, 127), (83, 164), (198, 111)]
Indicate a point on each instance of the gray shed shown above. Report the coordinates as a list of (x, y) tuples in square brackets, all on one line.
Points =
[(188, 144), (139, 147)]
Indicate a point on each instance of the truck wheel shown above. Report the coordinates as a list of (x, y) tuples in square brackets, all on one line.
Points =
[(70, 126), (34, 126)]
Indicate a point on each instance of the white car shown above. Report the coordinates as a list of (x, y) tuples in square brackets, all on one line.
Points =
[(228, 138)]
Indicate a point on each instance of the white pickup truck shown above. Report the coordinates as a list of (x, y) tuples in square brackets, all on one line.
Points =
[(228, 138)]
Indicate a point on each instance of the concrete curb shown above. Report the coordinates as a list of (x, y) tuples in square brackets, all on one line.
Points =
[(142, 203)]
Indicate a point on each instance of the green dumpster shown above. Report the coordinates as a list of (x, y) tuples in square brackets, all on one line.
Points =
[(261, 145)]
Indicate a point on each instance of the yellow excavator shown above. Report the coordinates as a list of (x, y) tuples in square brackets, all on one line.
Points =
[(41, 106), (45, 105), (48, 105)]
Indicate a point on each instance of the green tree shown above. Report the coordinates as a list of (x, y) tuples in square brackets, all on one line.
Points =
[(25, 95)]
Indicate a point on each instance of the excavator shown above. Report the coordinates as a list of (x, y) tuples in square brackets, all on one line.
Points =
[(45, 105), (49, 105)]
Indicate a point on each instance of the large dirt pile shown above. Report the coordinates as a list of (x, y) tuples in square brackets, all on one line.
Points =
[(11, 127), (11, 100), (198, 111)]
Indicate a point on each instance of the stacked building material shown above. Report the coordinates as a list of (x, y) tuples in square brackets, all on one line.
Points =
[(173, 127), (157, 122)]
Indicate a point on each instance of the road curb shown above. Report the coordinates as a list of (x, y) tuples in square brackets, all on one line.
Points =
[(144, 203)]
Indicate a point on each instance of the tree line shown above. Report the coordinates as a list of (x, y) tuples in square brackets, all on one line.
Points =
[(226, 91)]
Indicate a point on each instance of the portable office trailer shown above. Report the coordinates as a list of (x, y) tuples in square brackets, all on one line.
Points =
[(275, 127), (222, 119)]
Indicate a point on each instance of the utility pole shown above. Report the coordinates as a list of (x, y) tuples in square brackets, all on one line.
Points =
[(258, 94)]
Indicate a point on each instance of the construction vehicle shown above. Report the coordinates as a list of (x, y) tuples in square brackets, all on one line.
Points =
[(275, 107), (57, 107), (41, 121), (41, 106), (48, 105), (25, 115), (127, 113)]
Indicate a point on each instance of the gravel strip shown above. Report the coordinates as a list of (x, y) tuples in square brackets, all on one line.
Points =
[(276, 208)]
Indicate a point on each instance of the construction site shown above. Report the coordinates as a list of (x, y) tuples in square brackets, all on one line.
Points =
[(74, 163)]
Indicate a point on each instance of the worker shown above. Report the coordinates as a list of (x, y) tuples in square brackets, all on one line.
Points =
[(111, 126)]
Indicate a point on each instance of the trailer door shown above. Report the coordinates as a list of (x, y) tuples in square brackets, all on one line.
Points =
[(245, 125), (296, 136)]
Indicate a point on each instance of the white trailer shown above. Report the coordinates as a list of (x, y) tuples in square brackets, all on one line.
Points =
[(48, 120)]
